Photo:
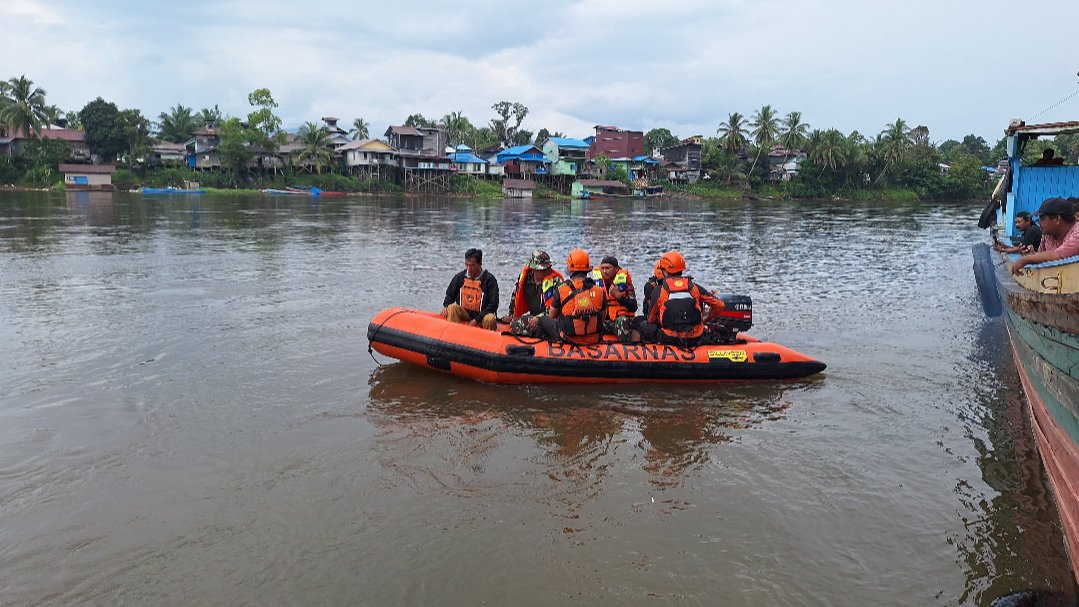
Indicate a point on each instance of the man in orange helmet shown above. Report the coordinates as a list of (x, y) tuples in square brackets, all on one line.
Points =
[(676, 314), (578, 306), (472, 296)]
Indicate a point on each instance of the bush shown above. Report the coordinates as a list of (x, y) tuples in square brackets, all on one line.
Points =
[(124, 179)]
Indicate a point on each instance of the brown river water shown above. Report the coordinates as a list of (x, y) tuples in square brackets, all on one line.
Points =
[(189, 414)]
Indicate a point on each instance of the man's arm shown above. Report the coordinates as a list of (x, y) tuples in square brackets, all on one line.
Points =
[(451, 291), (490, 296)]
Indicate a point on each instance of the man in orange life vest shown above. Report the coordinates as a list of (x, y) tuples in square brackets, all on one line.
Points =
[(621, 298), (676, 314), (578, 305), (532, 295), (649, 287), (472, 296)]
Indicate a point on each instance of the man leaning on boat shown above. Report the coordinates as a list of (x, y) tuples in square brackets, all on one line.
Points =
[(1060, 238)]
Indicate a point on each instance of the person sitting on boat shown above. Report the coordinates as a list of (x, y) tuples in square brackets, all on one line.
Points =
[(578, 305), (1075, 206), (677, 313), (1060, 238), (532, 295), (472, 296), (650, 287), (1049, 158), (1031, 235), (621, 298)]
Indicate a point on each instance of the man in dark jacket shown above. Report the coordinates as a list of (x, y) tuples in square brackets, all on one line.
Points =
[(472, 296)]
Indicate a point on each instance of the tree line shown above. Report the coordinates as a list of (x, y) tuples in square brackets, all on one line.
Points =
[(899, 156)]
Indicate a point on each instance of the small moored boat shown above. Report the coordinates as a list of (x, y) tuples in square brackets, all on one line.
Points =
[(145, 190), (428, 340)]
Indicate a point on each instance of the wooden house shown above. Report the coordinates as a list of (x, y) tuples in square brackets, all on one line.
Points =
[(518, 188), (565, 156), (614, 142), (202, 151), (166, 153), (421, 155), (88, 176), (74, 138), (368, 158), (523, 160), (336, 135), (682, 162), (467, 163)]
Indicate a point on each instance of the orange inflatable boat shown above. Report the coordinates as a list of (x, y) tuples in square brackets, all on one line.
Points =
[(428, 340)]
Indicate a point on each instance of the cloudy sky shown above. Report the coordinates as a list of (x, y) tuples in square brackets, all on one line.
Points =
[(955, 66)]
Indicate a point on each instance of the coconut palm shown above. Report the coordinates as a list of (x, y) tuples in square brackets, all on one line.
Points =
[(177, 124), (732, 133), (457, 126), (317, 150), (793, 131), (360, 129), (894, 142), (829, 150), (211, 115), (22, 106), (765, 125)]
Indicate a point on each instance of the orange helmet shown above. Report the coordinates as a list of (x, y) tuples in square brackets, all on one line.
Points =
[(577, 261), (656, 270), (672, 262)]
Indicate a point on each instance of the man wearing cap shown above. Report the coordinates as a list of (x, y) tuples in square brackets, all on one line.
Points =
[(532, 295), (621, 297), (1030, 239), (1060, 238)]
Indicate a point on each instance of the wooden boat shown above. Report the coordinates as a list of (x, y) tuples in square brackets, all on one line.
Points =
[(428, 340), (313, 191), (1041, 310), (277, 192), (146, 190)]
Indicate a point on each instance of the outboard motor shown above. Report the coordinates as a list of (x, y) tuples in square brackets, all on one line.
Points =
[(736, 315)]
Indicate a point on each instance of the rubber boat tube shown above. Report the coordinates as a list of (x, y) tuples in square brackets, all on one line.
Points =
[(428, 340)]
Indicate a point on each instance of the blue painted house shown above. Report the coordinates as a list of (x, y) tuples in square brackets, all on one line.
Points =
[(467, 163), (565, 156), (523, 160)]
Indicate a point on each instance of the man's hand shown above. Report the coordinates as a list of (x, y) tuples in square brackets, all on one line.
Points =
[(614, 292), (1019, 266), (533, 322), (445, 313)]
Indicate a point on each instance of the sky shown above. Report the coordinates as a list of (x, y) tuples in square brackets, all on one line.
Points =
[(956, 66)]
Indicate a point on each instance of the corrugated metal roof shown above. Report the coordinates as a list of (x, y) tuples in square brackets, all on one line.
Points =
[(602, 183), (520, 184), (467, 157), (89, 169), (1049, 128), (566, 142), (404, 130)]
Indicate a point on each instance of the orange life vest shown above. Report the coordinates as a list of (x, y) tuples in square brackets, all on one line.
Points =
[(680, 308), (548, 288), (470, 297), (581, 309), (623, 281)]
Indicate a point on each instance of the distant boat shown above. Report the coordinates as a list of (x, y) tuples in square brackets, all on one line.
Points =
[(313, 191), (169, 191), (295, 192), (1041, 310)]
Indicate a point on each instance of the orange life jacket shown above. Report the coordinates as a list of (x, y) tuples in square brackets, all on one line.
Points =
[(680, 308), (470, 297), (581, 309), (548, 288), (622, 280)]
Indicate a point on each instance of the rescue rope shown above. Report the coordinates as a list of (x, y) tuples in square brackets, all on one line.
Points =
[(370, 350)]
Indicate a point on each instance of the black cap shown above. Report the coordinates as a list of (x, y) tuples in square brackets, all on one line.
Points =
[(609, 259), (1055, 206)]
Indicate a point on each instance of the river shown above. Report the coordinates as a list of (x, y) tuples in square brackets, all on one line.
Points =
[(189, 414)]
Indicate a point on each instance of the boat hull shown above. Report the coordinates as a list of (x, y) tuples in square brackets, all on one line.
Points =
[(427, 340), (1044, 333)]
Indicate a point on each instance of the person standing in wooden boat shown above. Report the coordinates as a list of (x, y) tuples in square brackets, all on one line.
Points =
[(676, 314), (532, 295), (621, 298), (578, 306), (1060, 238), (472, 296)]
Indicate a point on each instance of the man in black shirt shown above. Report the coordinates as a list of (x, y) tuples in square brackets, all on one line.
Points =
[(1031, 235), (472, 296)]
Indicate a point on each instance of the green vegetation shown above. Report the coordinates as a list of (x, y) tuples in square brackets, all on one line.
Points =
[(743, 158)]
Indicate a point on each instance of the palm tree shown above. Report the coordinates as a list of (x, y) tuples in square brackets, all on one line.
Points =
[(765, 129), (894, 141), (316, 148), (829, 150), (360, 129), (177, 124), (457, 126), (22, 106), (732, 133), (793, 131)]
